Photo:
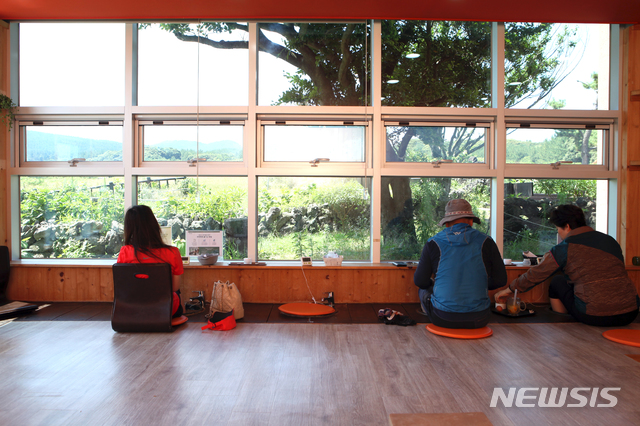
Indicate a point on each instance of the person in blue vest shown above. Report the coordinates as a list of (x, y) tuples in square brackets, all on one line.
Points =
[(458, 266)]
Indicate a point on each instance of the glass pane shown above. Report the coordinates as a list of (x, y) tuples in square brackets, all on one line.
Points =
[(413, 207), (63, 143), (203, 204), (72, 64), (71, 217), (436, 63), (193, 64), (427, 144), (556, 66), (527, 203), (311, 216), (305, 143), (312, 64), (546, 146), (180, 143)]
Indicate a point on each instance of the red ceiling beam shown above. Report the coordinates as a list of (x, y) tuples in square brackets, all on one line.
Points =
[(570, 11)]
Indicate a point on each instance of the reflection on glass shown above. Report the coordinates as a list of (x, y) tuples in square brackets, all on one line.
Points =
[(413, 207), (312, 64), (556, 66), (527, 203), (71, 216), (546, 146), (193, 64), (205, 203), (427, 144), (311, 216), (168, 142), (63, 143), (305, 143), (436, 63), (72, 64)]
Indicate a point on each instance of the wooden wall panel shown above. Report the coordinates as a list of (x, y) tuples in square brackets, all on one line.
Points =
[(631, 134), (277, 284), (4, 135)]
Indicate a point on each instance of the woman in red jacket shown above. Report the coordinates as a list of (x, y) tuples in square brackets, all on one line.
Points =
[(143, 244)]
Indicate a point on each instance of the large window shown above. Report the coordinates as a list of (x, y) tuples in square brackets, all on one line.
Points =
[(556, 66), (210, 141), (71, 217), (312, 216), (193, 64), (412, 207), (299, 138), (426, 144), (79, 64), (100, 141), (199, 204), (313, 64), (305, 143), (567, 144), (527, 203), (436, 63)]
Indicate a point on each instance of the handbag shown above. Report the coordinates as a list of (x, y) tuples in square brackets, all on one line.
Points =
[(221, 322), (226, 297)]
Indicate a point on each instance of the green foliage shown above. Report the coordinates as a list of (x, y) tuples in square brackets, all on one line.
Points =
[(71, 201), (8, 110)]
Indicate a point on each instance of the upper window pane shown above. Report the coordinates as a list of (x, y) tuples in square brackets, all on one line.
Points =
[(193, 64), (64, 143), (169, 142), (312, 64), (69, 64), (426, 144), (305, 143), (556, 66), (436, 63), (546, 146)]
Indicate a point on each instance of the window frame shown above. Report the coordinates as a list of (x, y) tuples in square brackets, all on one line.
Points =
[(22, 142)]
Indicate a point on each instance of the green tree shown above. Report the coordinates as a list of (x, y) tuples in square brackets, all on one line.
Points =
[(453, 71)]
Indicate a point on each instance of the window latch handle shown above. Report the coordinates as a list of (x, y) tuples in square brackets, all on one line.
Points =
[(193, 161), (74, 161), (556, 165), (436, 163), (315, 161)]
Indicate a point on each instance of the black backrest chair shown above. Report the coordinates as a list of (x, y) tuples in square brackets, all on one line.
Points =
[(143, 297), (13, 309), (5, 262)]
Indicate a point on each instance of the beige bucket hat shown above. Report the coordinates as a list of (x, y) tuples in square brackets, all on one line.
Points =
[(456, 209)]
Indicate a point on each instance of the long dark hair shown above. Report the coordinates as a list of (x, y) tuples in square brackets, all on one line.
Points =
[(141, 230)]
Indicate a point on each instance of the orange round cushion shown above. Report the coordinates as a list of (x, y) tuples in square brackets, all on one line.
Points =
[(306, 309), (179, 320), (460, 333), (623, 335)]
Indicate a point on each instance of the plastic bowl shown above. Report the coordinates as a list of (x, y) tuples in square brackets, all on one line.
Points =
[(208, 259)]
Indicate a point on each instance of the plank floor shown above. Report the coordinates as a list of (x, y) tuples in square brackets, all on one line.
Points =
[(83, 373), (366, 313)]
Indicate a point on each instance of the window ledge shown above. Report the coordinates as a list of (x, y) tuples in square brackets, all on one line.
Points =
[(101, 263)]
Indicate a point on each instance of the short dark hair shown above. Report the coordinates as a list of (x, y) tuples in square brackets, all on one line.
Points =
[(567, 214)]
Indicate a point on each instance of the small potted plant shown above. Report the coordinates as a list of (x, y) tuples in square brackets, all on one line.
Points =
[(7, 110)]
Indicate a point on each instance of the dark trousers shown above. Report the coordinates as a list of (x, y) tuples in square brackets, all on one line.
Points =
[(561, 288), (452, 319)]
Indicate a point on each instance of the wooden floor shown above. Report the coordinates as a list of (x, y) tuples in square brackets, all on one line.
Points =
[(82, 373)]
